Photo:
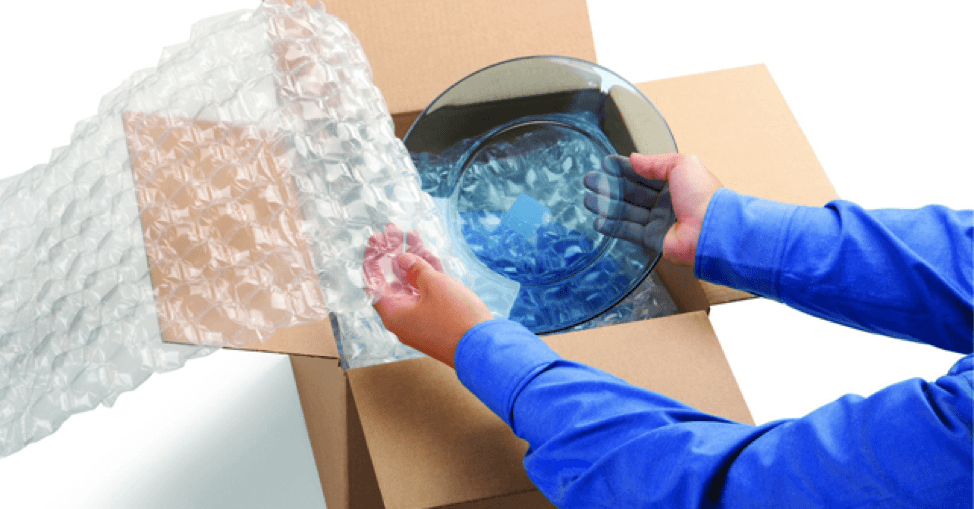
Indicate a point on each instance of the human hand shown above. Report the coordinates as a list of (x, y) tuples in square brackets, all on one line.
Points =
[(689, 187), (629, 206), (425, 308)]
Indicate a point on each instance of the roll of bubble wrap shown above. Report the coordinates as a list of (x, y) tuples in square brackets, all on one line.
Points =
[(224, 194)]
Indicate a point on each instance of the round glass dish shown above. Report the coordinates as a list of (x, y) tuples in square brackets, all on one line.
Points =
[(504, 152)]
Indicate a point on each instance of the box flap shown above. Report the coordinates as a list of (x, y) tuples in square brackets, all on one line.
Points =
[(676, 355), (433, 443), (683, 288), (739, 125), (419, 48), (184, 266), (315, 339), (344, 467), (321, 389)]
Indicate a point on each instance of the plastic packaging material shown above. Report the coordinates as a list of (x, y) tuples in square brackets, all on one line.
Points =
[(549, 264), (649, 300), (224, 194)]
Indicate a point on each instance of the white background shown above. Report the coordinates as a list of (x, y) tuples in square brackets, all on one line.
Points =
[(882, 90)]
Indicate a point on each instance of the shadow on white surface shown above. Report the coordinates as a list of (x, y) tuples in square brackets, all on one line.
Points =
[(225, 431)]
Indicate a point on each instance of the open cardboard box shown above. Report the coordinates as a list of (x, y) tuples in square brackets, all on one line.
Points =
[(408, 434)]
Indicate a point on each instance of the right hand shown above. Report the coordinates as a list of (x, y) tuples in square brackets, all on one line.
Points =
[(691, 186)]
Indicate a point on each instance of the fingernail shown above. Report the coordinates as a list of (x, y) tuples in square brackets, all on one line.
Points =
[(406, 261)]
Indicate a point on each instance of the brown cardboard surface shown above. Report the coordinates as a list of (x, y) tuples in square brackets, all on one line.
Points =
[(447, 42), (321, 390), (739, 124), (528, 500), (676, 355), (433, 443), (162, 164), (683, 288), (315, 339), (335, 431)]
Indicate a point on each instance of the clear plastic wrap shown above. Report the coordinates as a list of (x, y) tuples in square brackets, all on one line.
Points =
[(532, 269), (226, 193)]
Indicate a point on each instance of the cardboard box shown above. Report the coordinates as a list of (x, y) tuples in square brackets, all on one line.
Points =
[(408, 434)]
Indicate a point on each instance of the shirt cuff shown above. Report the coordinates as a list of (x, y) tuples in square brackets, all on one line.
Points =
[(496, 359), (742, 242)]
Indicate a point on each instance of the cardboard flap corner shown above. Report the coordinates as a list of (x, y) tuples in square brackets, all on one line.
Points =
[(677, 355), (738, 123), (446, 44)]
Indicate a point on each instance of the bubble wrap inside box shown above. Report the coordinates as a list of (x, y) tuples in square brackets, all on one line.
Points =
[(224, 194)]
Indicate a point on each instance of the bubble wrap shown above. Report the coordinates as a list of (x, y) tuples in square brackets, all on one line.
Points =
[(540, 164), (226, 193)]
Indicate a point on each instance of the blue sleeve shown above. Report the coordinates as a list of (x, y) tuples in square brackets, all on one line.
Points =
[(901, 273), (597, 441)]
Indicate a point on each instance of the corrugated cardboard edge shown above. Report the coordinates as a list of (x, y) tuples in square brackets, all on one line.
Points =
[(450, 42), (729, 117), (344, 465)]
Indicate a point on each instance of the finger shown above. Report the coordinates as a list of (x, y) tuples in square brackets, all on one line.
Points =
[(430, 258), (639, 193), (655, 166), (616, 188), (602, 183), (614, 209), (418, 271), (654, 234), (375, 245), (375, 281), (660, 223), (386, 309), (620, 229), (413, 240), (621, 166), (394, 238), (392, 307), (414, 245)]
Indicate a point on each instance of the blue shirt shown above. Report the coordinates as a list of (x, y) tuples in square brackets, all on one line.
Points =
[(597, 441)]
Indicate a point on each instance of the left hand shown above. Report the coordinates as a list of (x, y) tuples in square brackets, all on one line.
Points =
[(426, 309)]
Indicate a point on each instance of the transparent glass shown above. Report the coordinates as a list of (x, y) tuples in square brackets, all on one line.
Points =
[(505, 151)]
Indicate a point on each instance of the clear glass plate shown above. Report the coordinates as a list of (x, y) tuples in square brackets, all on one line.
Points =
[(504, 152)]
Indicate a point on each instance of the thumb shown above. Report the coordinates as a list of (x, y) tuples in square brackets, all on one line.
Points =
[(654, 166), (418, 271)]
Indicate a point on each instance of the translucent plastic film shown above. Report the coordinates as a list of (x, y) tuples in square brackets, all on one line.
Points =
[(224, 194)]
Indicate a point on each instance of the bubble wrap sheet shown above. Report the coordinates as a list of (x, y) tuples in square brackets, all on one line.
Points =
[(224, 194)]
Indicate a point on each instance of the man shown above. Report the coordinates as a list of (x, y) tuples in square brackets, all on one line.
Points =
[(596, 441)]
